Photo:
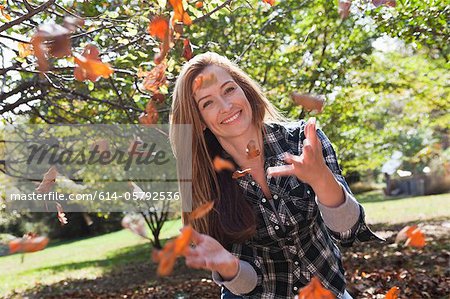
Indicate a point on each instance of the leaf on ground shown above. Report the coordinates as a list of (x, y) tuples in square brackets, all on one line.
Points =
[(315, 290), (393, 293), (413, 236)]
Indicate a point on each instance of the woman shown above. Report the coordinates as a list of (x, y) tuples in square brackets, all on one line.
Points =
[(273, 228)]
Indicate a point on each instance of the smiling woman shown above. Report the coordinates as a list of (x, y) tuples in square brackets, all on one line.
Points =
[(274, 226)]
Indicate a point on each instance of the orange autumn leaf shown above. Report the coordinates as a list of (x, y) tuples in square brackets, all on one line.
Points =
[(309, 102), (48, 180), (159, 27), (2, 10), (155, 78), (252, 150), (150, 115), (271, 2), (393, 293), (27, 244), (344, 8), (315, 290), (158, 98), (415, 237), (91, 69), (179, 13), (183, 240), (167, 256), (222, 164), (25, 49), (240, 173), (201, 211), (199, 4), (187, 49)]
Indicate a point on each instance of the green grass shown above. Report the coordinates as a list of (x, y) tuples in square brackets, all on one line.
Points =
[(397, 210), (85, 258)]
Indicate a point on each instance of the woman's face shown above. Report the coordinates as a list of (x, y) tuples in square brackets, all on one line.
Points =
[(224, 108)]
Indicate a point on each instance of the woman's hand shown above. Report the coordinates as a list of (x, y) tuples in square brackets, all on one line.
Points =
[(310, 166), (211, 255)]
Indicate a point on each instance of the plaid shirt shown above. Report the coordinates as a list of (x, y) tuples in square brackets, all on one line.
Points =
[(292, 243)]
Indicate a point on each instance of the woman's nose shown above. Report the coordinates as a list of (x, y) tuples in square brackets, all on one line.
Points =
[(225, 104)]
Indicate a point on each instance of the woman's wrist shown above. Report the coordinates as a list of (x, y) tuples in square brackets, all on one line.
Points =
[(230, 268), (328, 190)]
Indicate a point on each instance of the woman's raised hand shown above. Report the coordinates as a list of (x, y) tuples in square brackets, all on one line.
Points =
[(310, 166), (209, 254)]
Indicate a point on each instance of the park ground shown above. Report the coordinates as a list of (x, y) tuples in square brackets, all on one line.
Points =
[(118, 265)]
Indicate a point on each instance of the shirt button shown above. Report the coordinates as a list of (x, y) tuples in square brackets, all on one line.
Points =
[(263, 200), (277, 227), (309, 192), (296, 263), (275, 196), (252, 183), (295, 289)]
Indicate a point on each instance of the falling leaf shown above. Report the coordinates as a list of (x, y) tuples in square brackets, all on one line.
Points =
[(61, 215), (187, 49), (71, 23), (252, 150), (183, 240), (48, 181), (2, 10), (135, 223), (309, 102), (413, 236), (167, 258), (90, 66), (202, 81), (155, 78), (199, 4), (159, 27), (150, 115), (240, 173), (344, 8), (25, 49), (30, 243), (222, 164), (390, 3), (315, 290), (158, 98), (201, 211), (271, 2), (179, 13), (393, 293)]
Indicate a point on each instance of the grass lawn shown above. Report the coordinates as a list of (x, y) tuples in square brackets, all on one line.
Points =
[(93, 257), (397, 210), (85, 258)]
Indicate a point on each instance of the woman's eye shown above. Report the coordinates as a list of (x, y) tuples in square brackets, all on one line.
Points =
[(207, 103), (229, 89)]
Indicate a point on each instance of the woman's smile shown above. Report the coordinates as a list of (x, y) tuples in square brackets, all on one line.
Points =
[(232, 118)]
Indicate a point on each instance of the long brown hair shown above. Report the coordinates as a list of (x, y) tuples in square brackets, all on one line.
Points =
[(232, 219)]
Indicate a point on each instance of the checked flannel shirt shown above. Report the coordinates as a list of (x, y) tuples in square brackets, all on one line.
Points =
[(292, 243)]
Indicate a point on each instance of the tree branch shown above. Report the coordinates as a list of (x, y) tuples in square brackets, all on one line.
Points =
[(27, 16)]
